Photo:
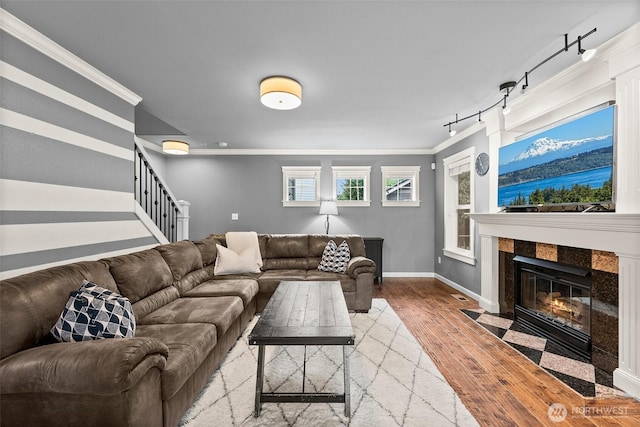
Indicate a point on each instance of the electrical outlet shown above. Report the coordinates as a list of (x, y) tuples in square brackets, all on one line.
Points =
[(439, 260), (234, 217)]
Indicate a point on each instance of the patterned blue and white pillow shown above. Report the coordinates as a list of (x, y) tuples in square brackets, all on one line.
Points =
[(92, 313), (335, 258)]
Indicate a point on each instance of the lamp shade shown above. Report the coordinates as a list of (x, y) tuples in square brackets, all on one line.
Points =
[(328, 208), (175, 147), (280, 93)]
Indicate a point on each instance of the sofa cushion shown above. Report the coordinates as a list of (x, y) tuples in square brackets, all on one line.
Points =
[(286, 264), (287, 246), (348, 284), (193, 279), (335, 258), (154, 301), (317, 242), (30, 304), (246, 289), (230, 262), (189, 344), (182, 257), (219, 311), (93, 312), (269, 280), (207, 248), (140, 274)]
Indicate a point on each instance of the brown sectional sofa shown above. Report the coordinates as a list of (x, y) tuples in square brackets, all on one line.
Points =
[(187, 320), (296, 257)]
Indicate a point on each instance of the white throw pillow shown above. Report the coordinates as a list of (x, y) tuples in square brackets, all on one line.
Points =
[(229, 262), (245, 242)]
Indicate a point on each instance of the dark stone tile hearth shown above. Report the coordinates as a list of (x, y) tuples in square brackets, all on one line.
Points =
[(572, 369)]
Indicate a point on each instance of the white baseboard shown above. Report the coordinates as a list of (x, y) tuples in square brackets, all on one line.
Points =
[(627, 382), (458, 287), (443, 279), (405, 274)]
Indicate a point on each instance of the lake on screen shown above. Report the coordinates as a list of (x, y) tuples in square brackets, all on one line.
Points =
[(594, 177)]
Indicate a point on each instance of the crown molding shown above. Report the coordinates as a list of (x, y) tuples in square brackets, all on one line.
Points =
[(48, 47), (476, 127), (286, 152)]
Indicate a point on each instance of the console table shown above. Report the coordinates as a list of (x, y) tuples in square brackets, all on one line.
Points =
[(373, 250)]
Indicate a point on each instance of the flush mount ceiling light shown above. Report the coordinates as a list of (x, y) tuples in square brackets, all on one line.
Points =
[(508, 86), (280, 93), (171, 146)]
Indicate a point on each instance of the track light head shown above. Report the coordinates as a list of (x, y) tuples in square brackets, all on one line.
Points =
[(451, 132), (585, 54)]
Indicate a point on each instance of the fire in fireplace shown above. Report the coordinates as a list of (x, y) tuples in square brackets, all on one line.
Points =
[(554, 300)]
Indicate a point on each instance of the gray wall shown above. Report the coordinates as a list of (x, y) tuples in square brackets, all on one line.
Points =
[(463, 274), (217, 186), (66, 174)]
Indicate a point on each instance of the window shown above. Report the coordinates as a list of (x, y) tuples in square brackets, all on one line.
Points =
[(400, 185), (301, 186), (351, 185), (458, 204)]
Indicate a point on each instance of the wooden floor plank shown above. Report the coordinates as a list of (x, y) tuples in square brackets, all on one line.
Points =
[(498, 385)]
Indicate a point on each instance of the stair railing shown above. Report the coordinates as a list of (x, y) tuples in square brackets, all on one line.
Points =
[(155, 197)]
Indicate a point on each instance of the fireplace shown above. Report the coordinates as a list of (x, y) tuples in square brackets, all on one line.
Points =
[(554, 300)]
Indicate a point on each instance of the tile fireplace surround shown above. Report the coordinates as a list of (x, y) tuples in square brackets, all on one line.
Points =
[(604, 290), (596, 234)]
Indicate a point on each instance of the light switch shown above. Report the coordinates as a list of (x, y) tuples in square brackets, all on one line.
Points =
[(234, 217)]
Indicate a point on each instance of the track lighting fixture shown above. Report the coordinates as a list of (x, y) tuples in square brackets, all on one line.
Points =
[(526, 81), (506, 89), (585, 54), (508, 86), (453, 132)]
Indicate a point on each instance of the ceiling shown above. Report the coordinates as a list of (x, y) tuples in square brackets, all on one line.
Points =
[(380, 75)]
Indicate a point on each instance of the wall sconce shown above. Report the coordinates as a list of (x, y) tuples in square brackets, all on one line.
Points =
[(328, 207)]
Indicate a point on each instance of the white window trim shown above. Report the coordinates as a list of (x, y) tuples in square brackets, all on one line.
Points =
[(363, 172), (401, 172), (463, 159), (300, 172)]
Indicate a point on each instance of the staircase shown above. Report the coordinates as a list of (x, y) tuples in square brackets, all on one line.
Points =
[(163, 214)]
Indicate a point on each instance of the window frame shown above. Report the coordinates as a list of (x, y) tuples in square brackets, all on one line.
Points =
[(352, 172), (411, 172), (302, 172), (460, 162)]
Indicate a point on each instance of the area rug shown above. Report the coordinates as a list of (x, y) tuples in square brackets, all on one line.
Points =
[(570, 368), (393, 382)]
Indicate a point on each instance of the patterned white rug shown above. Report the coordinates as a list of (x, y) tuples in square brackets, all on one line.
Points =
[(393, 382)]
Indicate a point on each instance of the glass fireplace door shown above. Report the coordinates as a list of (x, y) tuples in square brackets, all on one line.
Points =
[(558, 300)]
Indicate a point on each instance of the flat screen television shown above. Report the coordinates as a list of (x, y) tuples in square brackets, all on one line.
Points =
[(568, 163)]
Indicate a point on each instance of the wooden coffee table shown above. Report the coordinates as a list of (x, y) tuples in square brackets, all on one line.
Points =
[(304, 313)]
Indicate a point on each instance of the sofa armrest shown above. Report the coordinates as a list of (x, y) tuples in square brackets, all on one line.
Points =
[(100, 367), (360, 264)]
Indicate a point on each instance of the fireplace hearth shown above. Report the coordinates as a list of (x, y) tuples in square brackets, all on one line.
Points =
[(554, 300)]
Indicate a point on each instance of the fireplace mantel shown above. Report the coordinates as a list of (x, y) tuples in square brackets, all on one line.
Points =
[(613, 232)]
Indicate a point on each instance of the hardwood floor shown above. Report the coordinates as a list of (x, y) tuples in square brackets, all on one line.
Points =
[(498, 385)]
